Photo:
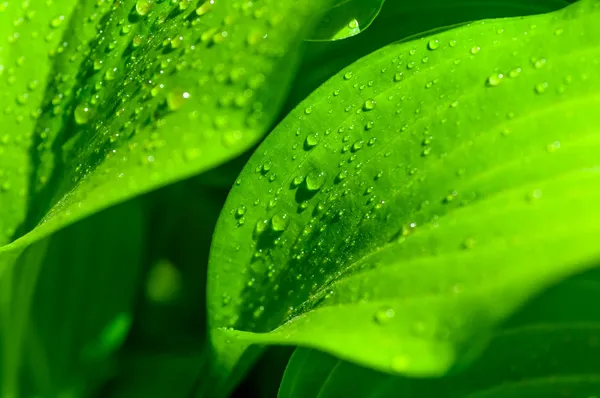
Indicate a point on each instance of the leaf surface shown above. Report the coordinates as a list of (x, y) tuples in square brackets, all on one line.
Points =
[(550, 348), (132, 95), (419, 197)]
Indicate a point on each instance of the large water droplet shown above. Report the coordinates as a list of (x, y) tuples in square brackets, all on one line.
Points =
[(315, 180)]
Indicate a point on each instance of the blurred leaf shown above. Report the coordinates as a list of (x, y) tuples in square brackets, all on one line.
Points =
[(417, 199), (346, 19), (82, 303)]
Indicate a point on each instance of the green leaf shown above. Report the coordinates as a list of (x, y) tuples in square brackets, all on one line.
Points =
[(138, 94), (104, 100), (73, 304), (416, 199), (346, 19), (550, 348)]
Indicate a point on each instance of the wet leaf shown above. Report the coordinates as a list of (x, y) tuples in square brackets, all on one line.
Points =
[(550, 349), (132, 95), (417, 198)]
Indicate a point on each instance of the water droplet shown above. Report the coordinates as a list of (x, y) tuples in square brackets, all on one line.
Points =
[(495, 79), (384, 315), (279, 222), (475, 50), (143, 7), (241, 211), (398, 77), (433, 44), (82, 114), (176, 99), (369, 105), (315, 180), (56, 22), (541, 88), (311, 141), (515, 72), (347, 75)]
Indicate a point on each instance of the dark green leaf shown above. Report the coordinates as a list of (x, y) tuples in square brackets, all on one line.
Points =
[(419, 197), (73, 304)]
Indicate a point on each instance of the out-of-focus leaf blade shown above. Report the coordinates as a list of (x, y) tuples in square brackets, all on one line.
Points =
[(75, 302), (346, 19)]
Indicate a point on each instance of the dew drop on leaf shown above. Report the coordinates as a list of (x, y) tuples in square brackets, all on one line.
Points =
[(143, 7), (315, 180), (495, 79), (384, 315), (369, 105), (279, 222), (82, 114), (433, 44)]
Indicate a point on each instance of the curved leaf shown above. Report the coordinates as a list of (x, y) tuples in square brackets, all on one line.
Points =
[(545, 351), (346, 19), (138, 94), (417, 198)]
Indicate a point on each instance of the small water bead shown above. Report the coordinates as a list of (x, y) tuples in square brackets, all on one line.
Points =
[(369, 105), (541, 88), (279, 222), (516, 72), (384, 315), (56, 22), (299, 179), (433, 44), (398, 77), (308, 110), (176, 99), (315, 180), (475, 50), (342, 175), (311, 141), (347, 75), (82, 114), (261, 226), (241, 211), (495, 80), (538, 63), (143, 7), (357, 146), (204, 8)]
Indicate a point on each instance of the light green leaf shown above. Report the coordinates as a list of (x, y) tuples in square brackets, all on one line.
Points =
[(138, 94), (548, 349), (104, 100), (419, 197), (346, 19)]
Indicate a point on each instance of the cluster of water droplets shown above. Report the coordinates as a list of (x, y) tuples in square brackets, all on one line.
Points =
[(140, 89), (360, 166)]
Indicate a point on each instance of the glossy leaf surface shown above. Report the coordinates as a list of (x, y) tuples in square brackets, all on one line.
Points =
[(550, 349), (416, 199)]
